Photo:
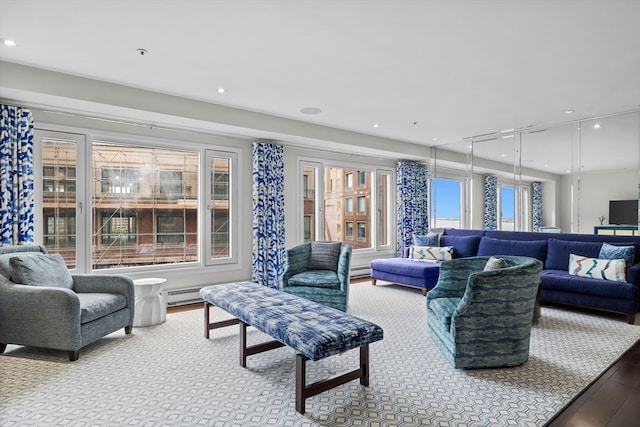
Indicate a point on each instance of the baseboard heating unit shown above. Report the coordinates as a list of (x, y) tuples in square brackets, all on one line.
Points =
[(176, 297)]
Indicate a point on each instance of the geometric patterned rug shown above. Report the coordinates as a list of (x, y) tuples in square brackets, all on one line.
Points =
[(169, 374)]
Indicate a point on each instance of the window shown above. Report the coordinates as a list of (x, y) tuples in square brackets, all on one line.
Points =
[(170, 183), (345, 214), (144, 207), (348, 181), (118, 228), (170, 229), (58, 156), (445, 203), (362, 205), (362, 179), (348, 227), (120, 180), (348, 205), (506, 204)]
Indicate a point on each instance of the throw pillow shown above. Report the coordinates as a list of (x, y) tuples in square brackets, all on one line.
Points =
[(324, 256), (627, 253), (606, 269), (559, 251), (495, 264), (41, 270), (431, 253), (431, 239)]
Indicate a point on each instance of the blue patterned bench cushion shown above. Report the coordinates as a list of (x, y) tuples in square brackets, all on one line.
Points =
[(313, 330)]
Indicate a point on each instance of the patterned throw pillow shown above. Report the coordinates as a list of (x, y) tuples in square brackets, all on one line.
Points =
[(627, 253), (430, 253), (605, 269), (41, 270), (431, 239), (495, 263)]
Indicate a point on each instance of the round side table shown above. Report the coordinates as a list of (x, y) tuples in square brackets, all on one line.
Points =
[(151, 309)]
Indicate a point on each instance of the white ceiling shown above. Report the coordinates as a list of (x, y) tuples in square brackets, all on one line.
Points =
[(445, 69)]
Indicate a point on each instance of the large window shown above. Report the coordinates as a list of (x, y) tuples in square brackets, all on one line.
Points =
[(507, 205), (446, 204), (347, 210), (144, 204)]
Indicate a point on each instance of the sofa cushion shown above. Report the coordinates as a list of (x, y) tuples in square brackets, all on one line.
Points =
[(535, 249), (430, 253), (430, 239), (560, 250), (463, 246), (316, 278), (627, 253), (324, 256), (605, 269), (562, 281), (93, 306), (406, 267), (40, 270)]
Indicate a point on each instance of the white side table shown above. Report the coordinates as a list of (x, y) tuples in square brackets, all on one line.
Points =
[(151, 309)]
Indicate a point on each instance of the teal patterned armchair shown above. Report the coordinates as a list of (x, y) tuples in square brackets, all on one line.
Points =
[(482, 319), (320, 272), (43, 305)]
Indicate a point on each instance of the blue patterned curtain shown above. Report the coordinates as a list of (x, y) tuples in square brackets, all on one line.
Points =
[(16, 175), (269, 253), (490, 202), (537, 206), (412, 203)]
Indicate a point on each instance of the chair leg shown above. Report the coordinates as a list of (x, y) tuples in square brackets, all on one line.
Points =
[(73, 355), (127, 329), (3, 347)]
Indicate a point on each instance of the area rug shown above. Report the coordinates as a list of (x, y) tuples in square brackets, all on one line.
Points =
[(169, 374)]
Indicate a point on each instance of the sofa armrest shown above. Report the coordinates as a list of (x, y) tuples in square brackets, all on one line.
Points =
[(633, 274), (40, 316)]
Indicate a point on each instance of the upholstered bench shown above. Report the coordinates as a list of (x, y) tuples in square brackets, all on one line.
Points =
[(313, 330)]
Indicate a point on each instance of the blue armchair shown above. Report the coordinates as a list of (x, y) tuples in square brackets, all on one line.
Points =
[(483, 319), (43, 305), (320, 272)]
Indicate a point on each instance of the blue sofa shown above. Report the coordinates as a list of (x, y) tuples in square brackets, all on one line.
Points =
[(553, 249)]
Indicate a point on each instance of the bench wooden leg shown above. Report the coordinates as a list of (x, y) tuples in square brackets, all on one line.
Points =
[(214, 325), (304, 391)]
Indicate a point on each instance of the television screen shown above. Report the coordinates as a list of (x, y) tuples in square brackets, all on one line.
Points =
[(623, 212)]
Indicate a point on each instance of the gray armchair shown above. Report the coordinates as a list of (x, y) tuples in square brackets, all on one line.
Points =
[(43, 305), (320, 272)]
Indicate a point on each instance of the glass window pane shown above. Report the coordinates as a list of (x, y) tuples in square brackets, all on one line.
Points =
[(507, 208), (134, 223), (220, 207), (445, 203), (59, 198), (309, 202)]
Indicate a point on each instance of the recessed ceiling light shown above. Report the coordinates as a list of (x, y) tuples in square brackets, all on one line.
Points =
[(220, 90), (376, 125), (597, 126), (142, 52), (569, 111), (8, 42), (311, 110), (435, 138)]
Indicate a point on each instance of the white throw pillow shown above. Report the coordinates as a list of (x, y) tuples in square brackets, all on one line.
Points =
[(431, 253), (605, 269)]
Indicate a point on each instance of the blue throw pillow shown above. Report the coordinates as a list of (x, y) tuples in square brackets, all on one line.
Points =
[(531, 248), (431, 239), (463, 246), (560, 250), (627, 253)]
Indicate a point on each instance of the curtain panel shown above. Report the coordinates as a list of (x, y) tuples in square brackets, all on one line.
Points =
[(269, 253), (16, 176), (537, 205), (490, 202), (412, 203)]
